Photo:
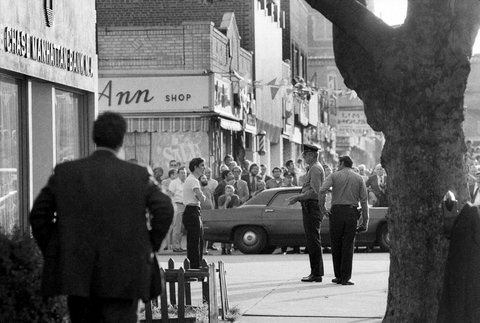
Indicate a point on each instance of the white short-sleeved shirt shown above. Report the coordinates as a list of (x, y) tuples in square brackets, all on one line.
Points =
[(189, 197)]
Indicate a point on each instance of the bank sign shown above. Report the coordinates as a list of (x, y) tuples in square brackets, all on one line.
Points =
[(23, 44), (154, 94)]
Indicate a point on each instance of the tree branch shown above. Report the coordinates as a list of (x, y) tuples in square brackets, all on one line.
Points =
[(355, 20)]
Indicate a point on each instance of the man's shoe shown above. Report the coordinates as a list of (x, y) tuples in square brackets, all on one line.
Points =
[(347, 282), (312, 278), (336, 281), (212, 248)]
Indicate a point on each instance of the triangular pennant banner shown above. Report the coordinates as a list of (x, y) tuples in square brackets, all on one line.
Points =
[(272, 82), (274, 91)]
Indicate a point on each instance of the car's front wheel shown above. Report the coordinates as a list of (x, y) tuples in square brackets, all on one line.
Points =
[(250, 239), (383, 238)]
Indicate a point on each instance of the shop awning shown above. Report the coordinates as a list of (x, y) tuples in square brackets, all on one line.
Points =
[(230, 125), (168, 124)]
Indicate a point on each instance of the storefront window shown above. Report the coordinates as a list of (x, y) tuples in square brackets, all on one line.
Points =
[(9, 152), (67, 125)]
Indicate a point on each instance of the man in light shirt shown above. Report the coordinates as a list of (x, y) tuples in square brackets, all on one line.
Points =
[(192, 197), (348, 189), (175, 190)]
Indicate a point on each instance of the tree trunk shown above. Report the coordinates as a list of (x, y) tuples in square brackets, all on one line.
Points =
[(412, 82), (423, 157)]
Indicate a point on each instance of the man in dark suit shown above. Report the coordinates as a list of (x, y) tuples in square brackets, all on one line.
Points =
[(252, 178), (377, 187), (90, 224)]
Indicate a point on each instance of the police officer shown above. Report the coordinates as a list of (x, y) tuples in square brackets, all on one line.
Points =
[(312, 217)]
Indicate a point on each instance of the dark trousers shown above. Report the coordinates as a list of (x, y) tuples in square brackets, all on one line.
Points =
[(343, 227), (312, 220), (194, 227), (102, 310)]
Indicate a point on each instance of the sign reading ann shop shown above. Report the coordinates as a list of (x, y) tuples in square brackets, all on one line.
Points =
[(154, 94), (353, 123)]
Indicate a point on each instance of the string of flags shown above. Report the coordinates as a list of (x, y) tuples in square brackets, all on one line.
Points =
[(302, 90)]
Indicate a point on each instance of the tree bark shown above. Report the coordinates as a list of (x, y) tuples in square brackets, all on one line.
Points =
[(412, 83)]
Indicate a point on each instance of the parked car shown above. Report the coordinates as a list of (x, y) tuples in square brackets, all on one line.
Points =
[(266, 222)]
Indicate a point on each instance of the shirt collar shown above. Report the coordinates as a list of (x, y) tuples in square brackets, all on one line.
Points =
[(113, 151)]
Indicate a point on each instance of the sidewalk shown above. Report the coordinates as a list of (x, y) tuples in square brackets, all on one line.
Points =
[(267, 288)]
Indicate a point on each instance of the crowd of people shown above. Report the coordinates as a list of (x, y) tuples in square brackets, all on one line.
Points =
[(99, 243), (238, 182)]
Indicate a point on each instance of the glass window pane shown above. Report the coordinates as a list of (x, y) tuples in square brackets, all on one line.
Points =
[(280, 201), (9, 193), (67, 125)]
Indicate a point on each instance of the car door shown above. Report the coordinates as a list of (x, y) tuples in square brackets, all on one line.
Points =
[(284, 222)]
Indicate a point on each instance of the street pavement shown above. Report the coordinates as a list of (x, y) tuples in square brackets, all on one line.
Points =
[(267, 288)]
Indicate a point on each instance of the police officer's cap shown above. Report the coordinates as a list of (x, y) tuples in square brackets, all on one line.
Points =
[(310, 148)]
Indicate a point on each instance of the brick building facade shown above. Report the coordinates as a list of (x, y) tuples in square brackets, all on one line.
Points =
[(260, 30), (184, 89)]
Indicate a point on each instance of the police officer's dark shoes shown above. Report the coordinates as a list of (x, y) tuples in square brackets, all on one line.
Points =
[(336, 281), (347, 282), (312, 278)]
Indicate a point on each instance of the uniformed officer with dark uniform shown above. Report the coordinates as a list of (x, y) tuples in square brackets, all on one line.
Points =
[(312, 217)]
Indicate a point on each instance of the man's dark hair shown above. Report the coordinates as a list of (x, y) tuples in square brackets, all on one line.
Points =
[(181, 168), (227, 156), (346, 160), (252, 165), (225, 173), (276, 168), (171, 172), (288, 163), (288, 174), (195, 163), (109, 130)]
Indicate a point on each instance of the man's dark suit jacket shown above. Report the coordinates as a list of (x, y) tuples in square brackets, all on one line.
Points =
[(471, 190), (251, 186), (99, 244), (372, 183)]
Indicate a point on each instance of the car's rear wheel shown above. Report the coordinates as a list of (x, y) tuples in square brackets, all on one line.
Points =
[(250, 239), (383, 238)]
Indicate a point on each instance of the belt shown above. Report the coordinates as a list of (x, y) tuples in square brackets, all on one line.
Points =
[(345, 206)]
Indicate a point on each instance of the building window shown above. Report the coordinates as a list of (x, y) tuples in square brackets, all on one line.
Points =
[(332, 81), (9, 154), (68, 128)]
